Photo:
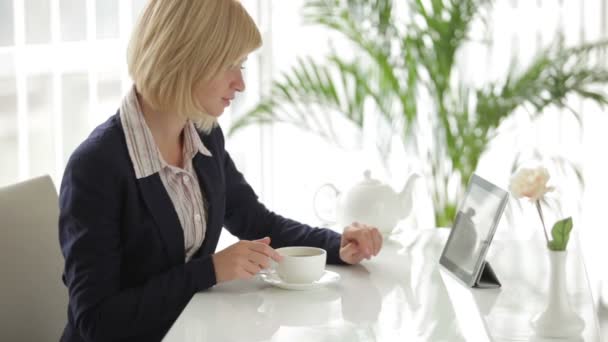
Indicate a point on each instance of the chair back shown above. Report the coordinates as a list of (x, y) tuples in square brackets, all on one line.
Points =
[(33, 299)]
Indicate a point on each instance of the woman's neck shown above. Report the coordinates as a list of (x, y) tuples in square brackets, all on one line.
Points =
[(167, 130)]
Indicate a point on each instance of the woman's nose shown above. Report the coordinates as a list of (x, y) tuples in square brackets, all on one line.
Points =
[(239, 83)]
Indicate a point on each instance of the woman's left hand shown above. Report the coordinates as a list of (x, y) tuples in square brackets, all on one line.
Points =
[(359, 241)]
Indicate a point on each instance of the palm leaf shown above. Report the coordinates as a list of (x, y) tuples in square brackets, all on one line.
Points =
[(309, 93), (553, 75)]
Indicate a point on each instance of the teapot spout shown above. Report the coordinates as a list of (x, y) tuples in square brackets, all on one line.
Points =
[(405, 196)]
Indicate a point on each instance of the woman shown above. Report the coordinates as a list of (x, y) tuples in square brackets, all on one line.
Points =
[(144, 197)]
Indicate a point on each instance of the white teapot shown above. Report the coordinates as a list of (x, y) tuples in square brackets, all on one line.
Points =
[(371, 202)]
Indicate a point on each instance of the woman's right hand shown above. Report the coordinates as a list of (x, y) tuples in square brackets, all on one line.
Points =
[(243, 259)]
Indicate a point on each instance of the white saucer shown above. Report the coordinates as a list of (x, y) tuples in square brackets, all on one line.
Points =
[(273, 279)]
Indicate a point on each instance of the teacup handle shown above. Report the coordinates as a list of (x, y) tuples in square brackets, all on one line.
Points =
[(315, 203)]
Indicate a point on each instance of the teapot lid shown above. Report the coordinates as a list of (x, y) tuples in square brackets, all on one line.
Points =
[(368, 180)]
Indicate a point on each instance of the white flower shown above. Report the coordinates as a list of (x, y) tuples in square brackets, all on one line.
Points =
[(531, 183)]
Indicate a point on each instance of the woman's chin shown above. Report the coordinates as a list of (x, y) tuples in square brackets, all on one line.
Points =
[(216, 113)]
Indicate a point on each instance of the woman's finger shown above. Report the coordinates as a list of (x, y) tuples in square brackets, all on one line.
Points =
[(351, 254), (250, 268), (266, 250), (350, 249), (259, 259), (356, 258), (366, 243), (264, 240), (377, 239)]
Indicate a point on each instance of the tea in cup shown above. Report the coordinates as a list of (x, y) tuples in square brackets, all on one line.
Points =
[(301, 265)]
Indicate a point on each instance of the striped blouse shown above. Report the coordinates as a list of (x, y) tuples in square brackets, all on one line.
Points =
[(181, 184)]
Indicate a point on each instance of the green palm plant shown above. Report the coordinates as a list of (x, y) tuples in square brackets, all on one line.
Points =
[(397, 61)]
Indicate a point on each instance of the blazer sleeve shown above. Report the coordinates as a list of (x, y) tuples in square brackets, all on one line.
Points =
[(249, 219), (90, 236)]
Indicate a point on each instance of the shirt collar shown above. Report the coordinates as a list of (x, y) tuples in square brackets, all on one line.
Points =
[(144, 152)]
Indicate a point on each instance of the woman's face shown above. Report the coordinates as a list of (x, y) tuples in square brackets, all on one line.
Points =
[(214, 96)]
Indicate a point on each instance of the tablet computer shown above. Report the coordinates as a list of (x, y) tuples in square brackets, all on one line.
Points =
[(472, 231)]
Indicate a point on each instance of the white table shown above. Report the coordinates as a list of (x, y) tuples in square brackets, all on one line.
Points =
[(401, 295)]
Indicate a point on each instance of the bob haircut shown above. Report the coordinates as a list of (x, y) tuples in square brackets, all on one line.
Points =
[(178, 44)]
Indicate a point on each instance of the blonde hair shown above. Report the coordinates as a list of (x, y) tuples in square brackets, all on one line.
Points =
[(179, 44)]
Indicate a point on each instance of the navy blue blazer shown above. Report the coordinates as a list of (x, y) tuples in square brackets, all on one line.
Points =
[(124, 246)]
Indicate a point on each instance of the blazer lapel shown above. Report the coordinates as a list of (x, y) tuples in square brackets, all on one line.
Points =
[(209, 178), (159, 203)]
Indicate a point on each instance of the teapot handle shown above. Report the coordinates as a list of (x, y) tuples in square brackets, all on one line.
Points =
[(315, 202)]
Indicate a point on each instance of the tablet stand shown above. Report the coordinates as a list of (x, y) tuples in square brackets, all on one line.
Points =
[(487, 278)]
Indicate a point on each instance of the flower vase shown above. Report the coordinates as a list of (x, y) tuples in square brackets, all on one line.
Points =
[(558, 319)]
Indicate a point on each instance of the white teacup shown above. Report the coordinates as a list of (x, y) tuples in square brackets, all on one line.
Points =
[(301, 265)]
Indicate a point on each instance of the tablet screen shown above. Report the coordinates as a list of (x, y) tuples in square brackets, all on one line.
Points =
[(474, 226)]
